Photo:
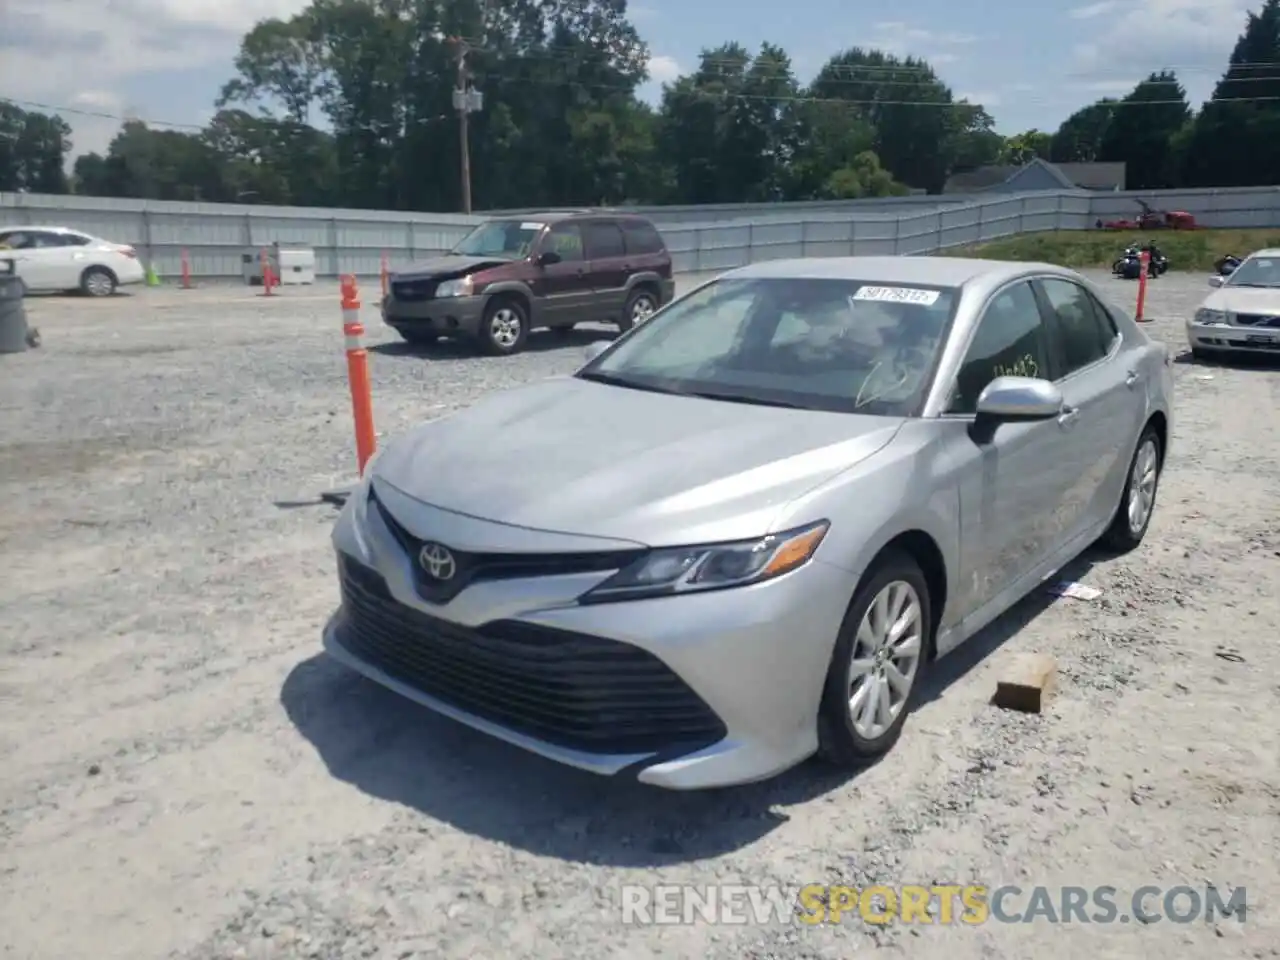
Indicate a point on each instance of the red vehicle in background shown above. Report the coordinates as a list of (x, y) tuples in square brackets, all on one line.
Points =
[(1151, 219)]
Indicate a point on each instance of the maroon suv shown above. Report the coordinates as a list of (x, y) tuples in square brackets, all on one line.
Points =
[(513, 275)]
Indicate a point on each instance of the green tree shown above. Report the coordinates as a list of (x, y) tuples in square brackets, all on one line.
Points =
[(1024, 147), (33, 150), (1079, 138), (1236, 138), (1142, 130), (154, 165), (917, 122), (976, 143)]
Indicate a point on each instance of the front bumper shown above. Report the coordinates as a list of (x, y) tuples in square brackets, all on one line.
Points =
[(734, 677), (1228, 337), (446, 316)]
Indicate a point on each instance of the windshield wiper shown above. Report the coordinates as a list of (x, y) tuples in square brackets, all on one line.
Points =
[(614, 381), (739, 398)]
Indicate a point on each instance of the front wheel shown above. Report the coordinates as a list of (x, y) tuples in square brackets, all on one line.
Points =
[(1138, 501), (871, 683), (505, 327)]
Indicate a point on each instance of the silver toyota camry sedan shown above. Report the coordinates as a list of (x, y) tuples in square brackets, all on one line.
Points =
[(740, 534)]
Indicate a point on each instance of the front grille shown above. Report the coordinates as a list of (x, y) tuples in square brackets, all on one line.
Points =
[(568, 689), (1257, 320), (480, 567), (410, 291)]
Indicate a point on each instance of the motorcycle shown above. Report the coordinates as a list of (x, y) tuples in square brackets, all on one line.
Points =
[(1129, 265), (1226, 265)]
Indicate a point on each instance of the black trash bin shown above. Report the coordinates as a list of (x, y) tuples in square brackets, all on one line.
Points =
[(13, 313)]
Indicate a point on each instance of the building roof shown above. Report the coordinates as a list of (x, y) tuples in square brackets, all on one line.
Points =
[(1072, 176)]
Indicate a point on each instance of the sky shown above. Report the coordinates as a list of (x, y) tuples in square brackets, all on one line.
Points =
[(1029, 62)]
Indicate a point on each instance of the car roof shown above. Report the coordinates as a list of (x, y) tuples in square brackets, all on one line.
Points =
[(1273, 252), (934, 271), (554, 216), (36, 226)]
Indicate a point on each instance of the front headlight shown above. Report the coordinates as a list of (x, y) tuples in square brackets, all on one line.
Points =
[(455, 288), (678, 570), (1211, 316)]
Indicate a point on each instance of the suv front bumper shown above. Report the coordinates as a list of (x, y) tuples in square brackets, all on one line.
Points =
[(447, 316)]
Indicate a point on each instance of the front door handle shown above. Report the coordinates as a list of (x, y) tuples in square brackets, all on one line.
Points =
[(1068, 416), (1131, 379)]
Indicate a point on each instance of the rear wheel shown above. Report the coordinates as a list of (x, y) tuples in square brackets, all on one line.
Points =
[(640, 306), (871, 684), (98, 282), (1138, 501)]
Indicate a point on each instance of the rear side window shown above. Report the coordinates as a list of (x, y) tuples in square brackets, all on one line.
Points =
[(642, 237), (1085, 333), (604, 239), (1011, 341)]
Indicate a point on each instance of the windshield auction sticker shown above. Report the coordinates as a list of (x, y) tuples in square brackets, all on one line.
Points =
[(926, 298), (532, 226)]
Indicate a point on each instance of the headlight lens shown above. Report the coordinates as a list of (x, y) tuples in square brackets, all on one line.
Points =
[(1211, 316), (455, 288), (678, 570)]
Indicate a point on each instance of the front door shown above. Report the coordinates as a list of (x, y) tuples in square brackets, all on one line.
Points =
[(33, 261), (563, 289), (1011, 486)]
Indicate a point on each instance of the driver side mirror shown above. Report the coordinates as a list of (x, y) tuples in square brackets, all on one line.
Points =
[(1217, 281), (1015, 400), (547, 258)]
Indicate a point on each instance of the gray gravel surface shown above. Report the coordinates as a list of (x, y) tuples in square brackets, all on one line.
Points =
[(186, 775)]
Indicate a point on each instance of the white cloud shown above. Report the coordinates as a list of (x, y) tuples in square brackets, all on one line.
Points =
[(1193, 38), (662, 69), (98, 49), (1093, 10), (897, 37)]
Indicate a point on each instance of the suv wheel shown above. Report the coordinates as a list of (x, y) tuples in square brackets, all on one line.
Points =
[(641, 305), (505, 327)]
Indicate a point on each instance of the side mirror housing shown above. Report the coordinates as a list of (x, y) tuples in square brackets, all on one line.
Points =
[(547, 258), (1216, 281), (594, 349), (1015, 400)]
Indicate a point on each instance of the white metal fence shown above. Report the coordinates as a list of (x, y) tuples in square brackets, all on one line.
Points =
[(216, 236)]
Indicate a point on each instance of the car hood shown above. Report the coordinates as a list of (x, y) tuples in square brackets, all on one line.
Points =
[(1245, 300), (576, 457), (443, 268)]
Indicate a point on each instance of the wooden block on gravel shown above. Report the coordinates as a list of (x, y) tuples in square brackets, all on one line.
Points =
[(1026, 682)]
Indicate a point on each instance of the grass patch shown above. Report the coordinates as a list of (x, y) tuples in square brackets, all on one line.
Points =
[(1186, 249)]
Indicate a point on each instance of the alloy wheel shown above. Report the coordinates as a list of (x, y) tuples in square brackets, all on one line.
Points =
[(504, 327), (1142, 485), (886, 659)]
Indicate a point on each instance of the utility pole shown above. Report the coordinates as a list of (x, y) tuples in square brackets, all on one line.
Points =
[(466, 101)]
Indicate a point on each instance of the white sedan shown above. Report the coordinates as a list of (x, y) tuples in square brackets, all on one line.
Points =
[(55, 259), (1243, 313)]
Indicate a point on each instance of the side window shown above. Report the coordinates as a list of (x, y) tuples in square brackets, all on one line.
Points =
[(566, 240), (642, 237), (1082, 338), (1010, 342), (604, 239), (74, 240), (20, 240), (47, 240)]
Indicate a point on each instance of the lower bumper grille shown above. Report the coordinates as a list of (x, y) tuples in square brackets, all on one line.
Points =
[(571, 690)]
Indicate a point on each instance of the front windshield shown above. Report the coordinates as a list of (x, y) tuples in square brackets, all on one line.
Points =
[(502, 239), (1256, 272), (854, 346)]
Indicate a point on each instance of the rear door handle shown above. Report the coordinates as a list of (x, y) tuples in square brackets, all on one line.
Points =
[(1068, 416)]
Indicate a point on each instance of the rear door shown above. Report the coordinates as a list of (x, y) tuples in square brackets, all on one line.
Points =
[(563, 289), (610, 266), (647, 253), (1103, 392)]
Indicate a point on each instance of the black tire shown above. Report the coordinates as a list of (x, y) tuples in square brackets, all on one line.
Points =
[(98, 282), (1199, 353), (1124, 534), (1117, 268), (640, 305), (839, 742), (505, 328)]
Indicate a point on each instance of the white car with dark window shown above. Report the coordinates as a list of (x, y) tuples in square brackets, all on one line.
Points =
[(1243, 314), (57, 259)]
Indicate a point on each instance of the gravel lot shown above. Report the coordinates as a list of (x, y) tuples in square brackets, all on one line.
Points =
[(186, 775)]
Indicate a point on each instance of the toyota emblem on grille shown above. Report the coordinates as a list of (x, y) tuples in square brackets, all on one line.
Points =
[(437, 561)]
